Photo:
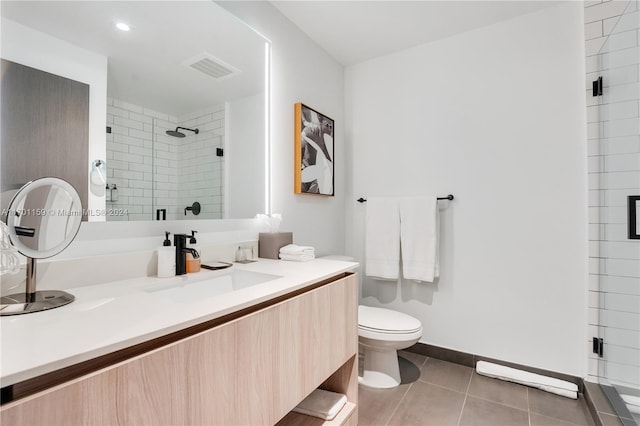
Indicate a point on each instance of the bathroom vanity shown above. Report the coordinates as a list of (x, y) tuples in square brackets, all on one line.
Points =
[(242, 346)]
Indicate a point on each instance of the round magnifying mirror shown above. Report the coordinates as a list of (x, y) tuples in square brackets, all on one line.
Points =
[(43, 218)]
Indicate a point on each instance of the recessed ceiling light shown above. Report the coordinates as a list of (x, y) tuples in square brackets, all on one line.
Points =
[(122, 26)]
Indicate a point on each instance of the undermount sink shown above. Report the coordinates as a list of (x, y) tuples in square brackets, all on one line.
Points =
[(198, 290), (242, 279)]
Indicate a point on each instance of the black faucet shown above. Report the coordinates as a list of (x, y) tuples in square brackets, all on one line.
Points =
[(180, 242)]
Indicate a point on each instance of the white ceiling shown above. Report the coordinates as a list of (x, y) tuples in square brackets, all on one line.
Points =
[(145, 65), (355, 31)]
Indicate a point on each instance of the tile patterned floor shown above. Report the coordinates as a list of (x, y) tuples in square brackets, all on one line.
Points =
[(440, 393)]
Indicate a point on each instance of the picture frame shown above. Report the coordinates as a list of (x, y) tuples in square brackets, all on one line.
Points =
[(314, 171), (633, 216)]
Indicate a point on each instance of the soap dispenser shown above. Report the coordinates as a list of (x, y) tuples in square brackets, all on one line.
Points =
[(166, 258), (193, 261)]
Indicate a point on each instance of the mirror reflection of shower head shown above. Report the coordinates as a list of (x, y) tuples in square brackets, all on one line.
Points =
[(178, 134)]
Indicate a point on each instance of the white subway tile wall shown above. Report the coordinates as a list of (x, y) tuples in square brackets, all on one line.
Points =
[(613, 51), (201, 170), (153, 170)]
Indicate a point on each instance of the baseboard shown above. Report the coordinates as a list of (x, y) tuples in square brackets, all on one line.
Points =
[(470, 360)]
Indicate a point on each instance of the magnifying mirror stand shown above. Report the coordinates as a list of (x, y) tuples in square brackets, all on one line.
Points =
[(32, 300)]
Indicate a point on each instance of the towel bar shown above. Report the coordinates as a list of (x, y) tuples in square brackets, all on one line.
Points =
[(448, 197)]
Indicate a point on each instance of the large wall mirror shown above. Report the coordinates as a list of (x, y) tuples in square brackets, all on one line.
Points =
[(177, 103)]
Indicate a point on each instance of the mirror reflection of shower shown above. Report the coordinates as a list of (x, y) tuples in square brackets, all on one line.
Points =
[(162, 162), (178, 134)]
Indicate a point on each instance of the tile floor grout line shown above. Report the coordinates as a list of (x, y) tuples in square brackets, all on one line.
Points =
[(426, 358), (549, 417), (466, 395), (398, 404), (499, 403), (440, 386), (562, 420), (404, 394), (462, 409)]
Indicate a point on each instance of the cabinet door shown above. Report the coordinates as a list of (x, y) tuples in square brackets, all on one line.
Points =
[(293, 347), (250, 371), (188, 382)]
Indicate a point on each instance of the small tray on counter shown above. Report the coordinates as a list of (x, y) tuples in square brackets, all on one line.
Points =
[(216, 265)]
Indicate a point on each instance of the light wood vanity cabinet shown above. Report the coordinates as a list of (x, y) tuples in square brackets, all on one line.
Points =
[(249, 371)]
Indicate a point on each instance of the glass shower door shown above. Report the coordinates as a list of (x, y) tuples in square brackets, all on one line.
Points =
[(619, 164)]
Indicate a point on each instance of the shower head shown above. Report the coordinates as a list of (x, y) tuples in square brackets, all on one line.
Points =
[(178, 134), (175, 133)]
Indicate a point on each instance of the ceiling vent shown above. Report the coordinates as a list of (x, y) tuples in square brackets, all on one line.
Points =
[(208, 64)]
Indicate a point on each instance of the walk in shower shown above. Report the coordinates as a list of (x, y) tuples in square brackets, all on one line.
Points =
[(615, 288), (158, 173)]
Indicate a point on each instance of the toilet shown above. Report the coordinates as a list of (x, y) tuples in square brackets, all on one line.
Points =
[(381, 333)]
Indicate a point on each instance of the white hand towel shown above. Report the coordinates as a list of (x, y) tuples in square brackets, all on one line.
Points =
[(297, 257), (295, 249), (419, 238), (382, 258), (549, 384), (322, 404)]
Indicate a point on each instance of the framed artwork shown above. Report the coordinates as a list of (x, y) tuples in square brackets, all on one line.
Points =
[(314, 171), (633, 206)]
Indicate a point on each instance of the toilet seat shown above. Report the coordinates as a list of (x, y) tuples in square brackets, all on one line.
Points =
[(386, 325), (386, 321)]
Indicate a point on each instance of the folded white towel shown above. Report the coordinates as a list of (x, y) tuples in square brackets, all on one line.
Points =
[(322, 404), (382, 234), (295, 249), (297, 257), (419, 237), (549, 384)]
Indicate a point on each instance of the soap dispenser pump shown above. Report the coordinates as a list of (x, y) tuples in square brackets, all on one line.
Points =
[(166, 258), (114, 193), (193, 261)]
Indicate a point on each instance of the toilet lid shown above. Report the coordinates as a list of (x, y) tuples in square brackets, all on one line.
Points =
[(386, 320)]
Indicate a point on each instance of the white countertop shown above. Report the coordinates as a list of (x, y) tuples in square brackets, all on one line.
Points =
[(108, 317)]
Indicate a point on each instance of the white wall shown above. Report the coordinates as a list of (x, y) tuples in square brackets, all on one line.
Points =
[(38, 50), (301, 72), (495, 116), (244, 148)]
